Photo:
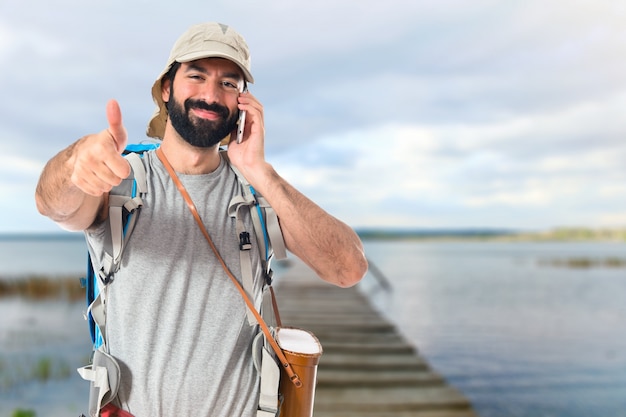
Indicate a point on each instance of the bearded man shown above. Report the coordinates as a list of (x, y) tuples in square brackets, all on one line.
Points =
[(174, 322)]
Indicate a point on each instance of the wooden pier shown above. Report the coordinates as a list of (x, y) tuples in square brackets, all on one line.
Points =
[(367, 369)]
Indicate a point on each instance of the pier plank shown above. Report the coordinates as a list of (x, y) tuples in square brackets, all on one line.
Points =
[(364, 378), (389, 399), (374, 362)]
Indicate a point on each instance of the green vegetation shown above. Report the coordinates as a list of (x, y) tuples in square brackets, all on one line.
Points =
[(44, 369), (585, 263), (40, 288), (574, 234), (23, 413)]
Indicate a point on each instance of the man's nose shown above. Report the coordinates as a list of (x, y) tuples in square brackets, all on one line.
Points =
[(210, 92)]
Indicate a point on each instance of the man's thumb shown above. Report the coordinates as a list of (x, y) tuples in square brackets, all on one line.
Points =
[(116, 128)]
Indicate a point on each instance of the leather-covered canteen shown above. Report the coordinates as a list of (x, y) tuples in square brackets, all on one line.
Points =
[(279, 395), (303, 351)]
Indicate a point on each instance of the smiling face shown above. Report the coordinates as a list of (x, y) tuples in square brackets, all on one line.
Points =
[(202, 100)]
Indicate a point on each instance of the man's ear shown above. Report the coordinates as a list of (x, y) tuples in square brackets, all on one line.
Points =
[(165, 89)]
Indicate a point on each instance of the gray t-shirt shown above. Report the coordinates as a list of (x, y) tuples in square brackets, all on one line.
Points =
[(175, 321)]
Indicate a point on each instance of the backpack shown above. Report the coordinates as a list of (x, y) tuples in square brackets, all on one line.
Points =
[(125, 202)]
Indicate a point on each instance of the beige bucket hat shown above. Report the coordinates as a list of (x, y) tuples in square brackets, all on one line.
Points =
[(205, 40)]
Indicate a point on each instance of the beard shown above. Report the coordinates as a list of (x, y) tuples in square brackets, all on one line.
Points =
[(200, 133)]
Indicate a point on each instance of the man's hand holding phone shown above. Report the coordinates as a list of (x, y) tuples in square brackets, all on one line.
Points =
[(249, 153)]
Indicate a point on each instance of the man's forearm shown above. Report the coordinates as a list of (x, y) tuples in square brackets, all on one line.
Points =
[(327, 245)]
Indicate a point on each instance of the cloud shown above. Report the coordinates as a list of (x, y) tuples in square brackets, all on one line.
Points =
[(486, 63), (502, 172), (417, 113), (17, 166)]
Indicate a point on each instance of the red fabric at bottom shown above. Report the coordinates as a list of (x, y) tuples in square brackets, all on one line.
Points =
[(110, 410)]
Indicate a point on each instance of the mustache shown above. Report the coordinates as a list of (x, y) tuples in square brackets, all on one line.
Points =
[(203, 105)]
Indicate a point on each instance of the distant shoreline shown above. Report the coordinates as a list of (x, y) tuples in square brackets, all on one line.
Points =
[(561, 234), (501, 235), (391, 234)]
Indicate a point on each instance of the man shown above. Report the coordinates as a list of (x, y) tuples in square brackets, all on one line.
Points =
[(175, 322)]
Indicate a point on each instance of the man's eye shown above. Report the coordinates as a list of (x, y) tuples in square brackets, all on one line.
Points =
[(230, 84)]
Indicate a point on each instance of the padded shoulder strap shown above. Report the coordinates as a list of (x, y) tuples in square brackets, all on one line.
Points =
[(124, 200), (269, 237)]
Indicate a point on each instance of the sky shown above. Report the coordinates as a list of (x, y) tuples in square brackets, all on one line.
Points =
[(425, 114)]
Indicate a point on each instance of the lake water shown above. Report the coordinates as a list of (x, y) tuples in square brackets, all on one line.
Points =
[(518, 333), (42, 255)]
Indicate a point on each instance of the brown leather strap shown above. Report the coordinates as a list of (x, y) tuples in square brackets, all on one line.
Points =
[(192, 207), (279, 323)]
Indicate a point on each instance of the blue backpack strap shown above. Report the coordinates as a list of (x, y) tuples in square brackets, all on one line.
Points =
[(90, 283), (139, 148)]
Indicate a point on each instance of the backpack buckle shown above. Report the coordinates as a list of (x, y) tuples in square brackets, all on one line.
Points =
[(269, 277), (244, 241), (104, 277)]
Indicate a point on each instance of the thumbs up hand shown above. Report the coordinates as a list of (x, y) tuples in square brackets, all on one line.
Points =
[(97, 164)]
